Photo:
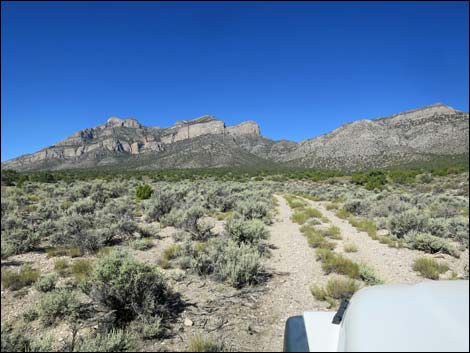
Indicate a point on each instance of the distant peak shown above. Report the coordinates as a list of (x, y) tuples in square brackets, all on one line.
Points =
[(200, 120), (128, 122)]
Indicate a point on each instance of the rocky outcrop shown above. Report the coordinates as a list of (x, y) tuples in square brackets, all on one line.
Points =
[(243, 129), (419, 134)]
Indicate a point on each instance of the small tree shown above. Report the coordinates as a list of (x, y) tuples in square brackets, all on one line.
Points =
[(144, 192)]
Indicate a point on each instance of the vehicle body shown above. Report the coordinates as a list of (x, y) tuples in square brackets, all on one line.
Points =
[(428, 316)]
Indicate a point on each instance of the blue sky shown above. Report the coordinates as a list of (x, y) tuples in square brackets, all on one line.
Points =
[(299, 69)]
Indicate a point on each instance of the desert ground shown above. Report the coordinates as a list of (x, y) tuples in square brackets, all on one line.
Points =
[(117, 264)]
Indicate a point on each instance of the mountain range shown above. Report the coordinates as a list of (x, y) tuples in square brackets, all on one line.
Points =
[(418, 135)]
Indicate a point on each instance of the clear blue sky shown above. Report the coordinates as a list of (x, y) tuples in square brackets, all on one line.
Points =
[(298, 69)]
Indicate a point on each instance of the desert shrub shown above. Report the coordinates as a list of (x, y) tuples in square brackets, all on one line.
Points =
[(19, 241), (458, 229), (77, 231), (59, 304), (350, 247), (371, 180), (204, 228), (148, 328), (399, 225), (15, 340), (429, 243), (132, 289), (186, 219), (81, 269), (429, 268), (368, 275), (357, 207), (249, 209), (46, 283), (334, 263), (159, 205), (240, 265), (83, 207), (114, 341), (142, 244), (251, 231), (200, 343), (143, 192)]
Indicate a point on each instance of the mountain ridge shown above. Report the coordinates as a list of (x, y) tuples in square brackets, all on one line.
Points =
[(206, 141)]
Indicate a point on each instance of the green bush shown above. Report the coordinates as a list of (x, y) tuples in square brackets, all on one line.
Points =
[(131, 288), (249, 209), (250, 231), (430, 244), (46, 283), (59, 304), (18, 241), (429, 268), (368, 275), (143, 192), (371, 180), (15, 340), (17, 280), (237, 264), (401, 224)]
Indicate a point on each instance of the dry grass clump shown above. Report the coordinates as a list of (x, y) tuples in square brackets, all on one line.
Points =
[(62, 267), (429, 268), (336, 289), (16, 280), (81, 269), (171, 252), (350, 247), (61, 251), (335, 263), (200, 343)]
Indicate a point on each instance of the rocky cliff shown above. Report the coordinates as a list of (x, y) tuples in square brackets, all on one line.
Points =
[(416, 135), (410, 136)]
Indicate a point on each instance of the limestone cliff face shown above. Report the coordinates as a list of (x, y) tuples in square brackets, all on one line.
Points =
[(415, 135), (126, 136)]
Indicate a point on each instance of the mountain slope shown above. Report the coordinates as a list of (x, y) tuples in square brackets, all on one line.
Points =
[(412, 136)]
